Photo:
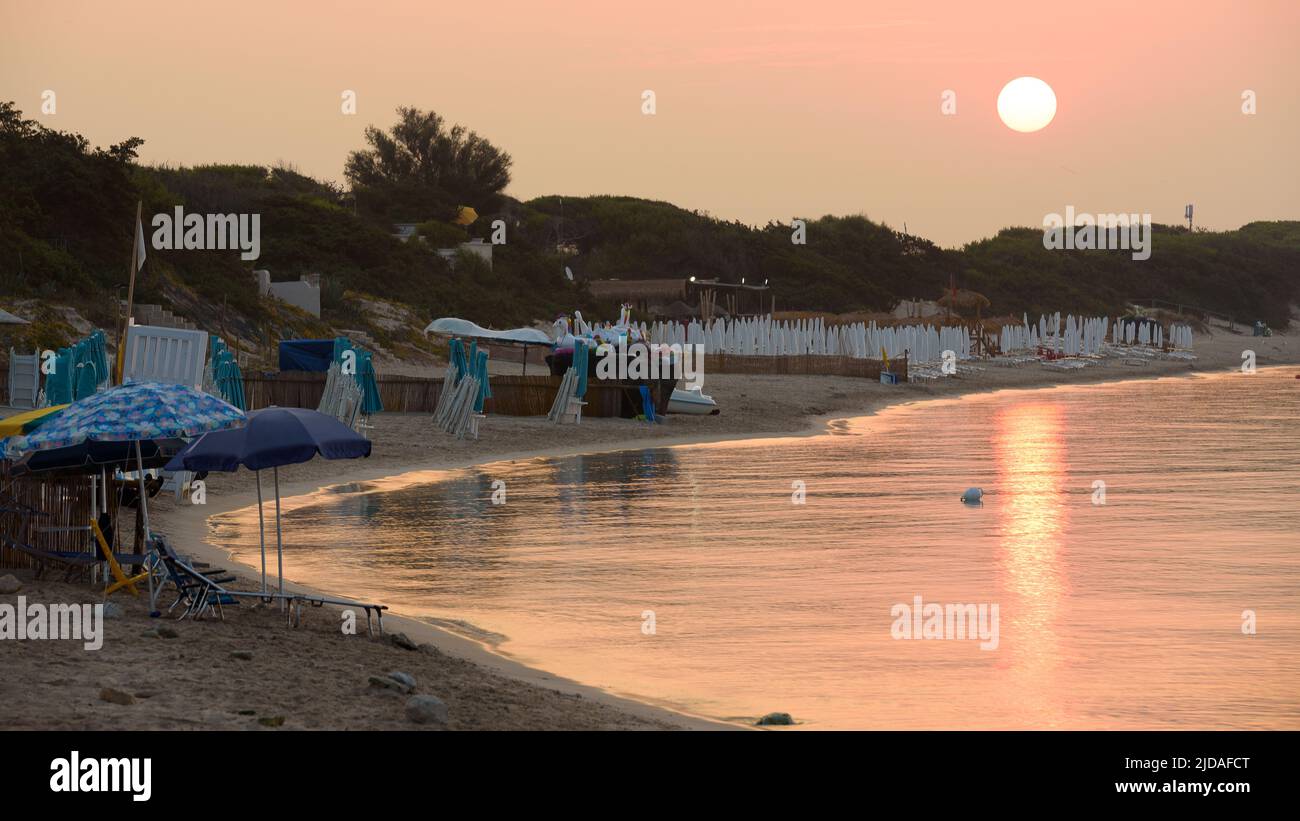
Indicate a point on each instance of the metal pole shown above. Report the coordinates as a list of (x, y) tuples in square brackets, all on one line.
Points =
[(130, 302), (261, 526), (279, 539), (94, 517), (144, 512)]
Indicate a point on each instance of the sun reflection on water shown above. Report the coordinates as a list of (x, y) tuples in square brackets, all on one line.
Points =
[(1030, 455)]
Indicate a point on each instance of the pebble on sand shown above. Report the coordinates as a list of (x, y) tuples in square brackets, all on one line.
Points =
[(389, 683), (403, 641), (775, 720), (404, 678), (426, 710), (116, 697)]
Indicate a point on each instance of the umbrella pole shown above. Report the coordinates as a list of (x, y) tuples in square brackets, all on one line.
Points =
[(279, 539), (144, 512), (261, 526), (94, 517)]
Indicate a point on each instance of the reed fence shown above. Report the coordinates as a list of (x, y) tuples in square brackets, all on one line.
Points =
[(48, 512), (512, 394)]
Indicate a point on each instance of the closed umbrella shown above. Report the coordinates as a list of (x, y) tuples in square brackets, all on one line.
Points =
[(273, 437)]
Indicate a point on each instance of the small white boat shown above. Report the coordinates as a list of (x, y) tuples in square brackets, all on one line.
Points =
[(692, 401)]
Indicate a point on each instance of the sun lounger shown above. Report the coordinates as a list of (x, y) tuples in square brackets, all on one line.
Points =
[(316, 601), (199, 593), (567, 406), (202, 593), (71, 561)]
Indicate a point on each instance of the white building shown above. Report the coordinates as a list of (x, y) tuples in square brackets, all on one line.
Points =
[(406, 231), (305, 293), (477, 247)]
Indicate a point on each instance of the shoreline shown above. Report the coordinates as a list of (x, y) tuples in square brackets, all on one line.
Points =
[(195, 532), (313, 677)]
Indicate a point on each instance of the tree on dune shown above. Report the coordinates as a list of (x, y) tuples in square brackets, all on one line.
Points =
[(420, 169)]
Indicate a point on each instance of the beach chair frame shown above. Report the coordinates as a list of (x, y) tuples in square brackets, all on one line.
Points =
[(202, 594), (122, 581)]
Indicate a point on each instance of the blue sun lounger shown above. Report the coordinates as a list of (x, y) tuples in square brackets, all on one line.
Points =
[(202, 593)]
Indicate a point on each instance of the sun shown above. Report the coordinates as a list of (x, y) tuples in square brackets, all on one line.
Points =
[(1026, 104)]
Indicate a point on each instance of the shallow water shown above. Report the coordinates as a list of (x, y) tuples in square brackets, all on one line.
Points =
[(1123, 614)]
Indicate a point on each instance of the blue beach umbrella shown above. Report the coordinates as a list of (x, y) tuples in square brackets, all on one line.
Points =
[(272, 437), (130, 413)]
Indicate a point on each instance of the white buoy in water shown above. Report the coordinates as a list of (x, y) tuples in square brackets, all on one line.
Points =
[(972, 496)]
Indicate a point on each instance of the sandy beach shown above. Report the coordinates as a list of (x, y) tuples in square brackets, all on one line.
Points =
[(254, 672)]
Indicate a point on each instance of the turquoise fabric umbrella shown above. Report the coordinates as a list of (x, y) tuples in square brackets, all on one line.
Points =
[(58, 383), (78, 371), (87, 381), (226, 375), (370, 401), (364, 376), (481, 374), (456, 353), (580, 367)]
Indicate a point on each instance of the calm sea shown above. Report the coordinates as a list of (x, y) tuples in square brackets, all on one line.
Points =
[(732, 580)]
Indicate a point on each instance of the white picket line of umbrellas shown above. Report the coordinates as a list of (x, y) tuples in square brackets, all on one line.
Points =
[(764, 336), (1084, 336)]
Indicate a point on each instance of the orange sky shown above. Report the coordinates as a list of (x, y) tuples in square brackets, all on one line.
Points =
[(766, 110)]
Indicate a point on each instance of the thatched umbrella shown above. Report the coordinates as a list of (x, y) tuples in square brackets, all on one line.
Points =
[(964, 300), (677, 309)]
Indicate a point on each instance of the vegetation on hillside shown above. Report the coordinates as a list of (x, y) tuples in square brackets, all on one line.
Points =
[(852, 264), (66, 213)]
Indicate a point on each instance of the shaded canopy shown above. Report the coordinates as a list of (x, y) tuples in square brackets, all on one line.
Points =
[(273, 437), (91, 457)]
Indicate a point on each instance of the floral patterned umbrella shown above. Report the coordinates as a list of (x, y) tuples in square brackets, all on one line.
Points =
[(130, 413)]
